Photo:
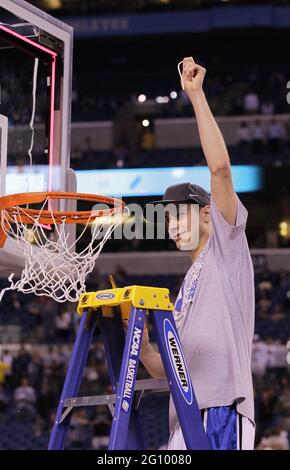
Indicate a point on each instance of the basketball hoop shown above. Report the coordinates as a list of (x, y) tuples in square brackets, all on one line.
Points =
[(53, 267)]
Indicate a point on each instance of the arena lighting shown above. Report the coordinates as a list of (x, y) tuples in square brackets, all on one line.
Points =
[(283, 229), (50, 4), (162, 99), (145, 123), (173, 95), (142, 98), (127, 182)]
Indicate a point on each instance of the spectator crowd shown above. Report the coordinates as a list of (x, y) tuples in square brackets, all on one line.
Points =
[(32, 374)]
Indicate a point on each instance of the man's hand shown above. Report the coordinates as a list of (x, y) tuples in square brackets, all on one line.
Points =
[(192, 76), (145, 338), (150, 358)]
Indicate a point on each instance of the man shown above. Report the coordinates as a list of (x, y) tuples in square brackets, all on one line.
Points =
[(214, 311)]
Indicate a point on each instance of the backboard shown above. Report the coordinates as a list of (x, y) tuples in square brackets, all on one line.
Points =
[(35, 106)]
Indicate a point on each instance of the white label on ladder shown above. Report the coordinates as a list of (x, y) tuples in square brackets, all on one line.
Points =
[(131, 368), (177, 361)]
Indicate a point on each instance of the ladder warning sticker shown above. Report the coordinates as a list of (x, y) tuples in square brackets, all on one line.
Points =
[(131, 368), (177, 361)]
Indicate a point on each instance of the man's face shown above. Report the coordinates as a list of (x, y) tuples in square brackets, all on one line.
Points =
[(183, 225)]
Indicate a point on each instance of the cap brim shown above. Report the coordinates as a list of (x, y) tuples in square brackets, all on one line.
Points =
[(169, 201)]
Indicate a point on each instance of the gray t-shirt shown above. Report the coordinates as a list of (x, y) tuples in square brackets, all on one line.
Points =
[(217, 326)]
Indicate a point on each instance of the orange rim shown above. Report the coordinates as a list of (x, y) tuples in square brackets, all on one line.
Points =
[(44, 216)]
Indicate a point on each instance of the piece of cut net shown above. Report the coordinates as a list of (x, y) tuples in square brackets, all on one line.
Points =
[(53, 267)]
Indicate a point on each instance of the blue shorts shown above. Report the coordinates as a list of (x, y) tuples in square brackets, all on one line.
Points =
[(226, 429), (221, 425)]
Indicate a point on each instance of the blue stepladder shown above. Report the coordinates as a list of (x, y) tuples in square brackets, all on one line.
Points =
[(110, 307)]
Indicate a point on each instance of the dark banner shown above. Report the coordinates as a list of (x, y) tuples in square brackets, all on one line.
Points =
[(181, 22)]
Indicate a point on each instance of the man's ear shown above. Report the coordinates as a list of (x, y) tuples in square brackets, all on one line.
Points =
[(206, 212)]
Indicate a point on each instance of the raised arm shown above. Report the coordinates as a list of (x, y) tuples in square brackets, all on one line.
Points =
[(212, 141)]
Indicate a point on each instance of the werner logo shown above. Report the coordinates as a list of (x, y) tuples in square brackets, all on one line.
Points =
[(177, 361), (131, 368), (105, 296)]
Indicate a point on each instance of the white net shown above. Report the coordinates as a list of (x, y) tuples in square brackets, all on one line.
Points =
[(53, 267)]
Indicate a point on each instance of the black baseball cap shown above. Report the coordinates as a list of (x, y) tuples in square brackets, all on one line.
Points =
[(184, 193)]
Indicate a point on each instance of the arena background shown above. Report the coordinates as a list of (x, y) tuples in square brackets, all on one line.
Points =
[(128, 112)]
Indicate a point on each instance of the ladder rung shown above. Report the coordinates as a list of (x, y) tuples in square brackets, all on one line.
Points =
[(160, 385)]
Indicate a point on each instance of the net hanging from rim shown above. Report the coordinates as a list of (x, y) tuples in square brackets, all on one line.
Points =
[(53, 267)]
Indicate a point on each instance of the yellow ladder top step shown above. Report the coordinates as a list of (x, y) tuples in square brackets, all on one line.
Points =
[(151, 298)]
